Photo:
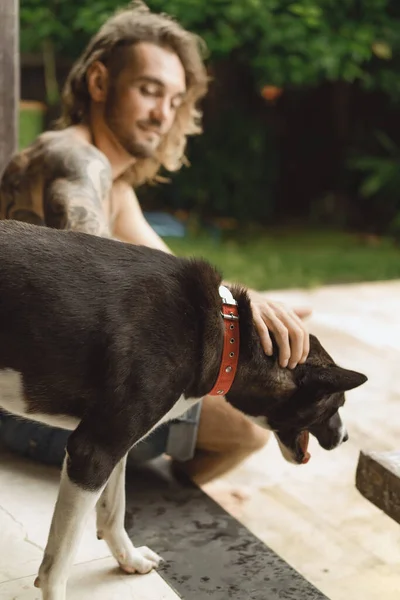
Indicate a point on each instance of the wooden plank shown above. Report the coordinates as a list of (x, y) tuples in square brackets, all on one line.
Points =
[(9, 79), (378, 480)]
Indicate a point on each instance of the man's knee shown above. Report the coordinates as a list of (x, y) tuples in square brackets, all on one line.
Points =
[(223, 428), (253, 437)]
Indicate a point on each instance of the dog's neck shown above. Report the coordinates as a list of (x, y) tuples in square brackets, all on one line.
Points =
[(211, 337), (230, 352)]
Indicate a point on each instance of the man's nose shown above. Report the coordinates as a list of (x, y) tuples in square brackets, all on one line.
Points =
[(162, 111)]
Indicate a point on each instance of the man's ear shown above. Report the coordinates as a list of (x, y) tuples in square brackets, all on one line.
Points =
[(97, 81), (332, 379)]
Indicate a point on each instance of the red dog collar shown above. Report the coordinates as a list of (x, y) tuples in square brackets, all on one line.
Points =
[(230, 352)]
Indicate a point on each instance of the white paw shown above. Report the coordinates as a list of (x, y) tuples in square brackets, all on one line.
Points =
[(130, 559), (140, 560)]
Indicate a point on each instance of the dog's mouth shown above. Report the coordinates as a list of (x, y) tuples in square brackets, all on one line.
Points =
[(302, 441), (295, 448)]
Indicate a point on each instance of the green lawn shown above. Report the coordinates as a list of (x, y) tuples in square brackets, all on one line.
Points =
[(283, 260)]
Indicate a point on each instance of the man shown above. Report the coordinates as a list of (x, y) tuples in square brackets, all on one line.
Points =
[(129, 104)]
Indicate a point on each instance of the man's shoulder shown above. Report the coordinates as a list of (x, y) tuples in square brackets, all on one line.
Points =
[(67, 151), (60, 152)]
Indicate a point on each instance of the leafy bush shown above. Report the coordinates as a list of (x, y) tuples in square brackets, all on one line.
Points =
[(284, 42), (280, 43), (380, 184), (234, 170)]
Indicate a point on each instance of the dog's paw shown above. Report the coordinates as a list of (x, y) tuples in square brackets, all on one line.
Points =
[(57, 592), (130, 559), (139, 560)]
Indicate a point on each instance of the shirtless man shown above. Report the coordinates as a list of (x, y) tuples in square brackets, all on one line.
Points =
[(129, 104)]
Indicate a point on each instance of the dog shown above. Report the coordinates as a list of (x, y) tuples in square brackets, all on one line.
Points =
[(110, 340)]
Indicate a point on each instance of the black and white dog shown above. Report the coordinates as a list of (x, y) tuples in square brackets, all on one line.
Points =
[(109, 340)]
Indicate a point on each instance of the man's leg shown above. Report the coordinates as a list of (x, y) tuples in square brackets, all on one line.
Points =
[(225, 438)]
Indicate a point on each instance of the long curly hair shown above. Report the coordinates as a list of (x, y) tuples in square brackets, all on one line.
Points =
[(127, 27)]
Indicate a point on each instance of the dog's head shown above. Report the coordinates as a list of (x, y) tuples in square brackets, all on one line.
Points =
[(295, 403)]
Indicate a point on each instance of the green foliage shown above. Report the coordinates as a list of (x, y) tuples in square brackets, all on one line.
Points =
[(67, 23), (382, 173), (286, 43), (234, 170), (380, 183), (31, 123)]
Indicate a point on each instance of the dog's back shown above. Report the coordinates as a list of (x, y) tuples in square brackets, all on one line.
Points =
[(79, 314)]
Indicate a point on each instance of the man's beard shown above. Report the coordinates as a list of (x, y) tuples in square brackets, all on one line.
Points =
[(132, 146), (127, 140)]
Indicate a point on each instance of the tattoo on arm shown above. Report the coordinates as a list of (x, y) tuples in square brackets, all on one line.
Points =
[(78, 184), (74, 206), (16, 200)]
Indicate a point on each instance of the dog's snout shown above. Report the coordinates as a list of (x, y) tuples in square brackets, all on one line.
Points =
[(345, 437)]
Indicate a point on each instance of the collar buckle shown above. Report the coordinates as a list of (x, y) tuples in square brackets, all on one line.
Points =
[(230, 316)]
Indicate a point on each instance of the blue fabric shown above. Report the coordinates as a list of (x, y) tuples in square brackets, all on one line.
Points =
[(165, 224), (33, 440), (47, 444)]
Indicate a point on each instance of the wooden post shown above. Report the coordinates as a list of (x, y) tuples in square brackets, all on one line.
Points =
[(378, 480), (9, 79)]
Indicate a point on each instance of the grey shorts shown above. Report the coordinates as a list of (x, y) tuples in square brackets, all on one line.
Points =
[(176, 438), (47, 444)]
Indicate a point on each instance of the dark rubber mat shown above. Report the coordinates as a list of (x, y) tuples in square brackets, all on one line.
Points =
[(208, 554)]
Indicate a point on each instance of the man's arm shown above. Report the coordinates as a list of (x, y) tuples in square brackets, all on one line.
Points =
[(77, 185), (130, 224)]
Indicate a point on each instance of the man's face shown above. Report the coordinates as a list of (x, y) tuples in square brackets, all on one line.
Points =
[(142, 102)]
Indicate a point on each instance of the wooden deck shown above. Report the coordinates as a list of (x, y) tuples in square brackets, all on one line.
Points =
[(313, 516), (208, 554)]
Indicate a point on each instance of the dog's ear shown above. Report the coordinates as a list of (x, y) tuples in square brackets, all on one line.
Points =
[(332, 379)]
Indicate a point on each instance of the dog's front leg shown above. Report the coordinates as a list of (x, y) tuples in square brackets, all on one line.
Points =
[(72, 508), (110, 526)]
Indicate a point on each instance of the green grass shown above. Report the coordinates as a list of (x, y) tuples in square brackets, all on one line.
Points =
[(278, 260), (30, 125)]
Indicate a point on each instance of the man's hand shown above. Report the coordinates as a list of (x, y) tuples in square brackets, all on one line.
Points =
[(289, 331)]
